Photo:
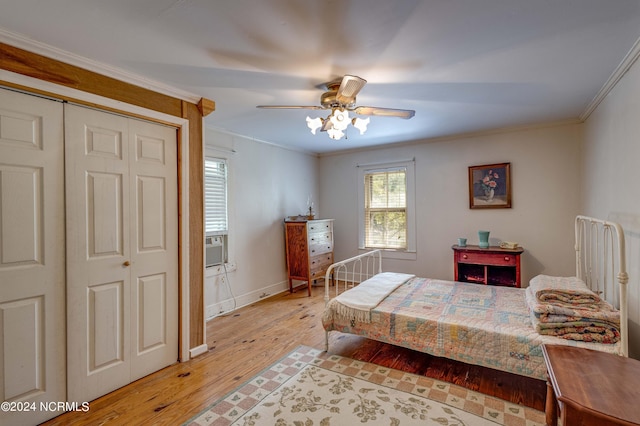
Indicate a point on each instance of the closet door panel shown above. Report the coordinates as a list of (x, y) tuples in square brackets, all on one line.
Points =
[(32, 256), (20, 318), (152, 305), (106, 324), (21, 213), (105, 230), (98, 252), (154, 246)]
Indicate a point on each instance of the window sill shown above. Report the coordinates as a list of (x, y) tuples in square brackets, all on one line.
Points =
[(395, 254)]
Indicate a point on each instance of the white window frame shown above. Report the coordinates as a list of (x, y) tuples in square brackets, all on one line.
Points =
[(409, 166)]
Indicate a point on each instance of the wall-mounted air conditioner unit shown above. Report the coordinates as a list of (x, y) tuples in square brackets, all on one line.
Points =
[(214, 250)]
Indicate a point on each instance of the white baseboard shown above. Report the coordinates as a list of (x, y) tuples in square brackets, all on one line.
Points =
[(198, 350), (225, 306)]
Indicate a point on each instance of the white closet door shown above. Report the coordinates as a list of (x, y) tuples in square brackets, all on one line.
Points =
[(32, 290), (122, 284), (154, 246)]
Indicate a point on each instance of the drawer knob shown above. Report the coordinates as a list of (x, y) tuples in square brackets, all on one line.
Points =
[(506, 258)]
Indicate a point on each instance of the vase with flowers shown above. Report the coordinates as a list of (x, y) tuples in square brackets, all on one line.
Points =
[(489, 184)]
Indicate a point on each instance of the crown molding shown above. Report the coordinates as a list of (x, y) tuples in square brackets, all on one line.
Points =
[(615, 77), (261, 141), (33, 46)]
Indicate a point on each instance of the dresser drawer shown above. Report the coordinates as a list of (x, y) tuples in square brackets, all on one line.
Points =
[(494, 259), (317, 226), (320, 248), (321, 261), (320, 240), (318, 265), (324, 237)]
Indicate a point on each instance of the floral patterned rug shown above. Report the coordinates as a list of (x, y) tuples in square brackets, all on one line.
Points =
[(311, 387)]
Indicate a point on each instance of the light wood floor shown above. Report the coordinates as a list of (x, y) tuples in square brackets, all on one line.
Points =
[(246, 341)]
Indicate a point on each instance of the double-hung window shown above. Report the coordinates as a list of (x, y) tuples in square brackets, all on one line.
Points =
[(386, 205), (215, 188), (216, 225)]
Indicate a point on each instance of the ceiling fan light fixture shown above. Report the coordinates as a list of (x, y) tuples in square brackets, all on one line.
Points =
[(314, 123), (335, 134), (340, 118), (336, 123), (340, 97), (361, 124)]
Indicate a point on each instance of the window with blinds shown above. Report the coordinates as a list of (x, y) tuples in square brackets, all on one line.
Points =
[(385, 209), (215, 188)]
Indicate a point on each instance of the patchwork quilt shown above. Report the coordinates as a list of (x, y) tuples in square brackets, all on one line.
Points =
[(473, 323)]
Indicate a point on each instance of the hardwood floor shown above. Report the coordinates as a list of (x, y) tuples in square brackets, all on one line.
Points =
[(246, 341)]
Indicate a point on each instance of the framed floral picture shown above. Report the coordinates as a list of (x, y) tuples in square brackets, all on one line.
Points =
[(490, 186)]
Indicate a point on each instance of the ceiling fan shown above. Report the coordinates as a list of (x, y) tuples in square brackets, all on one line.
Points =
[(340, 98)]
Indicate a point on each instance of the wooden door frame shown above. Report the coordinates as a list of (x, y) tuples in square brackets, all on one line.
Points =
[(41, 75)]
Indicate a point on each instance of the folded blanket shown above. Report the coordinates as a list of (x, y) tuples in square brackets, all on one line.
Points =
[(562, 291), (601, 310), (581, 329), (358, 301), (583, 317)]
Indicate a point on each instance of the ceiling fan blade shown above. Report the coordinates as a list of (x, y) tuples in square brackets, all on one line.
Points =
[(289, 107), (385, 112), (349, 89)]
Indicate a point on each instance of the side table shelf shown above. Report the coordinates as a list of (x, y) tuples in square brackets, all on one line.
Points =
[(491, 266)]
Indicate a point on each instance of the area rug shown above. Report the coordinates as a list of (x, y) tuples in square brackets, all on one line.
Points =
[(311, 387)]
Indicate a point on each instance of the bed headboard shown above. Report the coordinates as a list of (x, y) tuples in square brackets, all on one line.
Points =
[(601, 264)]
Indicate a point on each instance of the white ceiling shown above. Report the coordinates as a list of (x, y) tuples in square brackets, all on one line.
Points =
[(462, 65)]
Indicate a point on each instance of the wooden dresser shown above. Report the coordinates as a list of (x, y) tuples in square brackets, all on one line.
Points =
[(309, 246)]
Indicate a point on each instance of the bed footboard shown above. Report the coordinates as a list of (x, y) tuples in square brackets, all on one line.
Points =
[(348, 273)]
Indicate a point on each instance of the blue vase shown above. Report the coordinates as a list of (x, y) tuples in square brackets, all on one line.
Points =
[(483, 236)]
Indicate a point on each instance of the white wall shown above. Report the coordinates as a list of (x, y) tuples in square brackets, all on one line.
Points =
[(266, 184), (545, 177), (611, 159)]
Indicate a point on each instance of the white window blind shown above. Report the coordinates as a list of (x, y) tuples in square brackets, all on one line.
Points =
[(215, 188), (385, 219)]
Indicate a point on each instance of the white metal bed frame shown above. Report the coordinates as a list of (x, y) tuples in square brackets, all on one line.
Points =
[(600, 263)]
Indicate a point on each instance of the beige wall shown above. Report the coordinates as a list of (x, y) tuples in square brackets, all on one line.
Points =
[(611, 178), (557, 172), (545, 177)]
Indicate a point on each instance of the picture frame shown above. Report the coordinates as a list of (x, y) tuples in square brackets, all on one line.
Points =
[(490, 186)]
